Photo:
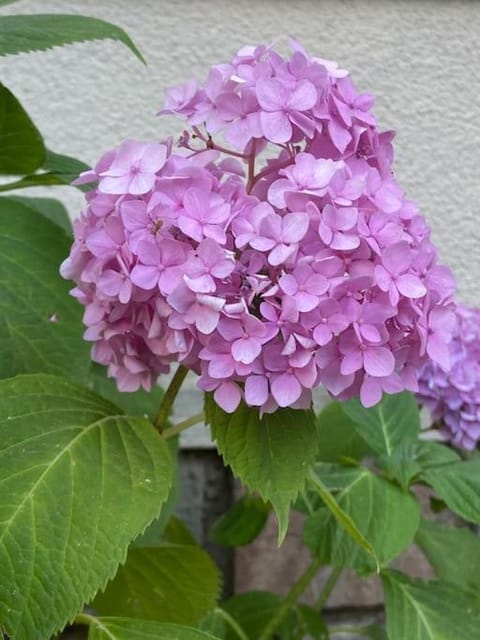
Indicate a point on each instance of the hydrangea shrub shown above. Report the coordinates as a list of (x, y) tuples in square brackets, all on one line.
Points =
[(270, 251)]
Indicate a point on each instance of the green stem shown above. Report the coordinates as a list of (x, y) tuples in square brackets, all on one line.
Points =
[(232, 622), (169, 398), (328, 588), (84, 618), (181, 426), (290, 599)]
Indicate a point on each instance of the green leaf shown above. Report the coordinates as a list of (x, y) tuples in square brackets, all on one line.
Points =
[(156, 532), (271, 455), (57, 170), (384, 518), (175, 581), (64, 167), (387, 424), (21, 145), (412, 456), (337, 435), (311, 623), (41, 32), (51, 209), (40, 323), (242, 523), (435, 610), (128, 629), (252, 611), (138, 403), (453, 552), (78, 483), (459, 485)]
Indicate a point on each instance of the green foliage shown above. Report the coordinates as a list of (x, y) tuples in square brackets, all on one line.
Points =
[(271, 455), (40, 323), (453, 552), (55, 170), (41, 32), (310, 623), (458, 484), (79, 482), (338, 438), (174, 581), (388, 423), (434, 610), (382, 514), (51, 209), (242, 523), (413, 456), (21, 145), (252, 611), (128, 629)]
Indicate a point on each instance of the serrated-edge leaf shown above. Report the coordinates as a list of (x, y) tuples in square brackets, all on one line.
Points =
[(113, 628), (388, 423), (453, 552), (271, 456), (383, 514), (343, 518), (428, 610), (175, 583), (39, 32), (458, 484), (79, 481)]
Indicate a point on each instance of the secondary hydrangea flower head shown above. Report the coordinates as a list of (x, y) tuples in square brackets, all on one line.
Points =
[(270, 251), (454, 396)]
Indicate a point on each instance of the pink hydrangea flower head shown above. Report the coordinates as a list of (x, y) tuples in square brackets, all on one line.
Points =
[(270, 251)]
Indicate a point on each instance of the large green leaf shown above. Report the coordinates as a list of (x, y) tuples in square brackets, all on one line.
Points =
[(52, 209), (131, 629), (458, 484), (387, 424), (174, 581), (337, 435), (453, 552), (21, 145), (40, 323), (383, 514), (242, 523), (78, 482), (435, 610), (271, 455), (41, 32)]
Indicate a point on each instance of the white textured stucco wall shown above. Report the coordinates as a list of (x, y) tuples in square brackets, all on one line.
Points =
[(420, 57)]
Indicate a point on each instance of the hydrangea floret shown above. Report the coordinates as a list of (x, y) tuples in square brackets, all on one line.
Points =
[(453, 396), (270, 251)]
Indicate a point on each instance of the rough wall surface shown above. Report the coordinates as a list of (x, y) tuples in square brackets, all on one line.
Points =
[(421, 58)]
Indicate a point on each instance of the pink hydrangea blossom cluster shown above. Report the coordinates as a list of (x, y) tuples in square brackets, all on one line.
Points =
[(453, 396), (271, 251)]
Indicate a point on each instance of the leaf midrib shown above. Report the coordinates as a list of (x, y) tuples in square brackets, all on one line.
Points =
[(84, 431)]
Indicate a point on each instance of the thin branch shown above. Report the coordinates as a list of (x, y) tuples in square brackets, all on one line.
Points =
[(181, 426)]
